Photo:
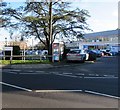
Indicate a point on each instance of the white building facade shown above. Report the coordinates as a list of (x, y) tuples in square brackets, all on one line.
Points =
[(99, 40)]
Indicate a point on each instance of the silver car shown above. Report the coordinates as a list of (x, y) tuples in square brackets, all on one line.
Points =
[(76, 55)]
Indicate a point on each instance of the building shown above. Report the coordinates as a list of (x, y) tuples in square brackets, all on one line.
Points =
[(21, 44), (98, 40)]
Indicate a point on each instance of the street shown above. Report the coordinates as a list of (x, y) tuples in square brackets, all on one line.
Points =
[(99, 79)]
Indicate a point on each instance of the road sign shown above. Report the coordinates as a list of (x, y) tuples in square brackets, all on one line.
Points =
[(8, 48)]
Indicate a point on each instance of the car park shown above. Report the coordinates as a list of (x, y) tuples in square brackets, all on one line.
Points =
[(76, 55)]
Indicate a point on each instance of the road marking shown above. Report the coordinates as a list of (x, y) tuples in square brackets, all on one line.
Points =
[(58, 90), (108, 75), (80, 74), (17, 87), (33, 73), (92, 74), (12, 72), (16, 70), (30, 71), (66, 73), (101, 77), (97, 93), (40, 71), (54, 72)]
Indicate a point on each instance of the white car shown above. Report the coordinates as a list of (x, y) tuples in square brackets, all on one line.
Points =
[(76, 55)]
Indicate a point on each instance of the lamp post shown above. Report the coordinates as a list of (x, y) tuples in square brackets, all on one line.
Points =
[(5, 41)]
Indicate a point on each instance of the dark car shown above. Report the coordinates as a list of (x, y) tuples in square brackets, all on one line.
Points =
[(98, 53), (92, 55)]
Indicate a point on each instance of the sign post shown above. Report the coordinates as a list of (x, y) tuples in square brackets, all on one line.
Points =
[(11, 51)]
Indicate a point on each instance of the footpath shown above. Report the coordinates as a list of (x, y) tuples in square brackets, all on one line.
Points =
[(41, 66)]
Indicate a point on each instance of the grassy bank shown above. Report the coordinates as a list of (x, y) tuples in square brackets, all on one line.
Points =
[(7, 62)]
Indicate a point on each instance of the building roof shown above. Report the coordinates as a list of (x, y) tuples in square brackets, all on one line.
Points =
[(103, 33)]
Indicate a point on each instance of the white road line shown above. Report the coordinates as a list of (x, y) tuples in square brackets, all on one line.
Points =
[(33, 73), (80, 74), (12, 72), (58, 90), (92, 74), (54, 72), (101, 77), (30, 71), (40, 71), (96, 74), (16, 70), (97, 93), (17, 87), (66, 73), (108, 75)]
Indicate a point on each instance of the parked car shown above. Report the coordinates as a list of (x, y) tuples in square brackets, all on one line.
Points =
[(98, 53), (92, 56), (105, 53), (76, 55), (1, 55)]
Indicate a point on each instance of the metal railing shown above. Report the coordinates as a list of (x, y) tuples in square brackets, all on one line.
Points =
[(25, 57)]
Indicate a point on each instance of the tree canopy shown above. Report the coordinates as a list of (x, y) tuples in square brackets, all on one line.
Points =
[(32, 19)]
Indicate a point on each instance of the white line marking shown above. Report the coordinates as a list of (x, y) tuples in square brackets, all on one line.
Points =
[(33, 73), (58, 90), (92, 74), (54, 72), (40, 71), (12, 72), (14, 86), (29, 71), (80, 74), (97, 93), (16, 70), (101, 77), (66, 73), (108, 75)]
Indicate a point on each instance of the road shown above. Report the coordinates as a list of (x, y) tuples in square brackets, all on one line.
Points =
[(99, 78)]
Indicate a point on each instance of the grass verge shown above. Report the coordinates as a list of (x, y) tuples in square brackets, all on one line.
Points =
[(7, 62)]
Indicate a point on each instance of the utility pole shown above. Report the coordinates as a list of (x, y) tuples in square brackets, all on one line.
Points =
[(50, 28)]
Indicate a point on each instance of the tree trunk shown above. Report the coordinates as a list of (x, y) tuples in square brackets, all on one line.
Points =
[(50, 32)]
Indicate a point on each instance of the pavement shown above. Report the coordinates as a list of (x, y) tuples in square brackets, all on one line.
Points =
[(40, 66)]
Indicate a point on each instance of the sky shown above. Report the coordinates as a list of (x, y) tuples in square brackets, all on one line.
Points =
[(104, 14)]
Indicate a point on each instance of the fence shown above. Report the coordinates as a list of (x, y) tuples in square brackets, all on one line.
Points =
[(25, 57)]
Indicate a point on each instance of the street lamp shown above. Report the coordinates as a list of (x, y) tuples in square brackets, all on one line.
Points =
[(5, 41)]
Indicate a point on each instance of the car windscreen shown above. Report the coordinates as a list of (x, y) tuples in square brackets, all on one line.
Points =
[(74, 51)]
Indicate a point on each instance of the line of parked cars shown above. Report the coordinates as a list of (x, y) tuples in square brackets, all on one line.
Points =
[(37, 54), (87, 55)]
